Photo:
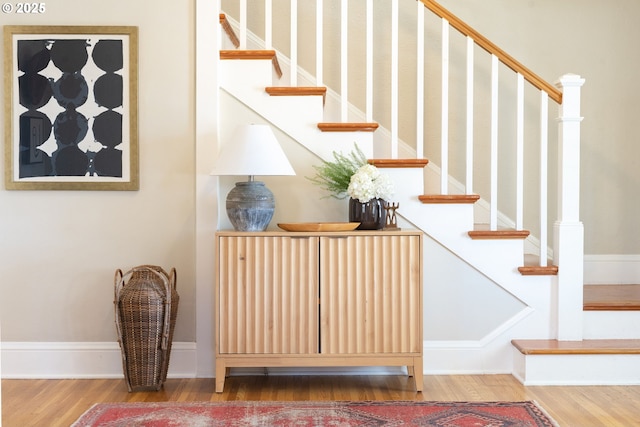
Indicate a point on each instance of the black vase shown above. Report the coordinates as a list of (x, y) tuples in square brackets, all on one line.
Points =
[(371, 215)]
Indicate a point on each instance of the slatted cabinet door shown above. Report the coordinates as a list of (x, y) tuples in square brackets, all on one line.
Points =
[(268, 295), (370, 294)]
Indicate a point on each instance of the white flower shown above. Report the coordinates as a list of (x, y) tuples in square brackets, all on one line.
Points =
[(368, 183)]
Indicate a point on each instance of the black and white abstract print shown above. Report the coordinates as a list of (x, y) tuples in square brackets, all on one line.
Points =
[(72, 108)]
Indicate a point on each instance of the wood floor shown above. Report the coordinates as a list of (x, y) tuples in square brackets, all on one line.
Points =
[(51, 403)]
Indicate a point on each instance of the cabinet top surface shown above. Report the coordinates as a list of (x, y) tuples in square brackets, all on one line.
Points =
[(400, 232)]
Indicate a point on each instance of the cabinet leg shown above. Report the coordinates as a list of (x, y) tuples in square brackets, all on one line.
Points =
[(410, 371), (221, 371), (417, 373)]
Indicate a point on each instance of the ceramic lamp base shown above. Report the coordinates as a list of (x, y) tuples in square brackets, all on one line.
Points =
[(250, 206)]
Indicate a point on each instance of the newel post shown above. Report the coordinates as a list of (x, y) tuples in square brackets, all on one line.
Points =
[(568, 251)]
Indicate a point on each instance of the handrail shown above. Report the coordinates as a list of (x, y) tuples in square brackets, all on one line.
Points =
[(490, 47)]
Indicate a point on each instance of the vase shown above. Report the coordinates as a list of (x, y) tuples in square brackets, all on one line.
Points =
[(370, 215)]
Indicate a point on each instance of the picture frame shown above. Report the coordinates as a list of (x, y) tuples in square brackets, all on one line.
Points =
[(71, 107)]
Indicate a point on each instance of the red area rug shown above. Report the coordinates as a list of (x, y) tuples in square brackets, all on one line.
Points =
[(317, 414)]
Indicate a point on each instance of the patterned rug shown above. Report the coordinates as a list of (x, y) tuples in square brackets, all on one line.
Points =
[(307, 414)]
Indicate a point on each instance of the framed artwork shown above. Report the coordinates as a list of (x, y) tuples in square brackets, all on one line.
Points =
[(71, 119)]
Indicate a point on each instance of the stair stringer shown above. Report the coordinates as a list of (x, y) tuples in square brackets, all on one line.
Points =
[(245, 80)]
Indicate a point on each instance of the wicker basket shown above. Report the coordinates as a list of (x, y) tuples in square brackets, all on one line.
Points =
[(146, 307)]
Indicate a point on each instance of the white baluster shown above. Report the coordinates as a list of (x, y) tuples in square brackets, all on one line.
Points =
[(268, 24), (344, 71), (520, 152), (369, 76), (469, 128), (243, 24), (293, 73), (394, 79), (444, 136), (420, 83), (544, 160), (319, 46), (493, 209)]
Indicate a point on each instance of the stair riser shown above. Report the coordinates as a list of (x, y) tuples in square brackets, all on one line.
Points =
[(611, 324), (577, 369), (253, 74)]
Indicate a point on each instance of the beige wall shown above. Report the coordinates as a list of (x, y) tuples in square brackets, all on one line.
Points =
[(60, 250)]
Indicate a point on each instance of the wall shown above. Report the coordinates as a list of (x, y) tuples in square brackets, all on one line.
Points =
[(60, 249)]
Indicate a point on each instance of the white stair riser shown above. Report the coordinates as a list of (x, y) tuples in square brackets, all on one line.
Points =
[(611, 324)]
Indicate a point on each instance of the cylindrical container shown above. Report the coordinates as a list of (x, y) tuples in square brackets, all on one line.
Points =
[(146, 307)]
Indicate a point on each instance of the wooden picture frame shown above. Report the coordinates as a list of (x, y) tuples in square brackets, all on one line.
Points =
[(71, 101)]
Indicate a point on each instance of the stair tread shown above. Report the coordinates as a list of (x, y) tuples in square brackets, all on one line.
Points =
[(399, 163), (611, 297), (253, 54), (538, 270), (347, 127), (612, 346), (296, 90), (449, 198), (482, 231)]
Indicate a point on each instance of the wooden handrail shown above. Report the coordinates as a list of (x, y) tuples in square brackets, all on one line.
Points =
[(490, 47)]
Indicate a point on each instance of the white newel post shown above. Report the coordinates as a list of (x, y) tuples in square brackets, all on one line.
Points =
[(568, 229)]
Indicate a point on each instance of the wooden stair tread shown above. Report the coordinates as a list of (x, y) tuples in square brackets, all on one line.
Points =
[(611, 297), (399, 163), (504, 233), (347, 127), (538, 270), (297, 91), (244, 54), (532, 266), (449, 198), (228, 30), (614, 346)]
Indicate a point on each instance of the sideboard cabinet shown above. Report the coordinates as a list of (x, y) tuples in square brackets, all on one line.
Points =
[(318, 299)]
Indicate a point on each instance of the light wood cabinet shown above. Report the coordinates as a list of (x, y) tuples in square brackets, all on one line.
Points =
[(319, 299)]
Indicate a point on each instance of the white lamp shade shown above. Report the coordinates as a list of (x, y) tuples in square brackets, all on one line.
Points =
[(252, 150)]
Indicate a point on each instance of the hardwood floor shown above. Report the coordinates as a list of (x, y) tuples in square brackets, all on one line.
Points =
[(51, 403)]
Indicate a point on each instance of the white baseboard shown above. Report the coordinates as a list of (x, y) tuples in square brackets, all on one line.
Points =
[(611, 269), (64, 360), (49, 360)]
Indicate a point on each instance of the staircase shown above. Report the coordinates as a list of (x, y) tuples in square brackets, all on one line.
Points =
[(496, 252), (609, 354)]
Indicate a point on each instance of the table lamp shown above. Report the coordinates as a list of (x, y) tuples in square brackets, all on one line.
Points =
[(252, 150)]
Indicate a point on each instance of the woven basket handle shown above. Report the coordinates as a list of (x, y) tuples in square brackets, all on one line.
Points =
[(118, 284), (173, 278)]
